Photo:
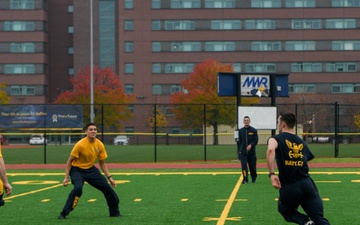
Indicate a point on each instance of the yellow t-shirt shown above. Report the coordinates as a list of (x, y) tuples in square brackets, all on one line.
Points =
[(0, 152), (86, 152)]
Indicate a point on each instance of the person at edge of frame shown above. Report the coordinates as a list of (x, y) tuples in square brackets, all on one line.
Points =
[(296, 187), (80, 167), (4, 183), (247, 141)]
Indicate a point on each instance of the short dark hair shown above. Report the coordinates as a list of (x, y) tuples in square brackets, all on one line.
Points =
[(246, 117), (288, 118), (88, 125)]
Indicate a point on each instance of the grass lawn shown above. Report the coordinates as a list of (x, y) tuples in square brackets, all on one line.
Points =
[(157, 197)]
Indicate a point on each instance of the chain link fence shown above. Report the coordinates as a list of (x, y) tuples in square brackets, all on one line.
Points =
[(205, 127)]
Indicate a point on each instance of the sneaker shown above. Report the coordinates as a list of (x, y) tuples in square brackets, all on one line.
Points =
[(253, 181), (309, 223), (244, 182), (62, 216), (2, 202), (116, 215)]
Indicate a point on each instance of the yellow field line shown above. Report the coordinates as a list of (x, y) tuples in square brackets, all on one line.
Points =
[(172, 173), (229, 203), (32, 192)]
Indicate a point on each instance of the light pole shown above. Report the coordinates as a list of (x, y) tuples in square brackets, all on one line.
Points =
[(92, 115)]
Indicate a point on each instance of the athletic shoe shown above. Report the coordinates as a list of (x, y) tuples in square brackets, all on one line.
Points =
[(62, 216), (116, 215), (244, 182), (2, 202), (309, 223)]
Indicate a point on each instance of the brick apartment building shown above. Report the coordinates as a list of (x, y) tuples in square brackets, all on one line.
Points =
[(154, 44)]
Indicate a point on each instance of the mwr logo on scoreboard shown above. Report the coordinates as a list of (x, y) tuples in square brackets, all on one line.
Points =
[(255, 85), (252, 84)]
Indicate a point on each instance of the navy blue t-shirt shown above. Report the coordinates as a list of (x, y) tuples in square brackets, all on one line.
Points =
[(292, 155)]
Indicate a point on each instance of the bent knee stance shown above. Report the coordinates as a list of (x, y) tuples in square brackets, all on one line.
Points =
[(75, 195), (284, 212)]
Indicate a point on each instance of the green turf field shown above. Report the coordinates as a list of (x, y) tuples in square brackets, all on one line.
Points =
[(156, 197)]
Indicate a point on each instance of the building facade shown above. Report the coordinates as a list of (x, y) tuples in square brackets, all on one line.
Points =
[(153, 45)]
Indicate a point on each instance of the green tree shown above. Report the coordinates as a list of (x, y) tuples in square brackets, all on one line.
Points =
[(4, 98), (108, 91), (201, 88)]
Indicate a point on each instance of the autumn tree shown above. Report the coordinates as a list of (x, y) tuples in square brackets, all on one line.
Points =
[(156, 119), (108, 92), (200, 90), (356, 116), (4, 98)]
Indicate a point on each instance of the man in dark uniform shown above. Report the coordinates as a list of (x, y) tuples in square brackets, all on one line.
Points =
[(248, 139), (80, 167), (296, 188)]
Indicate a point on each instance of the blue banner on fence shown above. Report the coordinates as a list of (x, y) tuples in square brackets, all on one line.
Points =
[(41, 116)]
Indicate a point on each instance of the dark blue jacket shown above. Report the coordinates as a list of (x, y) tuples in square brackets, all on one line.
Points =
[(247, 136)]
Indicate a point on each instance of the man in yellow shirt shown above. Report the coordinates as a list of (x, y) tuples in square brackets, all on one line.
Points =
[(80, 167), (4, 183)]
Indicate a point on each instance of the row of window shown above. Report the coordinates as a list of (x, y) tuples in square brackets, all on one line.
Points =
[(188, 4), (236, 46), (168, 89), (19, 69), (22, 47), (129, 68), (196, 4), (223, 46), (22, 25), (23, 4), (263, 24), (335, 88), (26, 90), (170, 68), (260, 24), (197, 46), (297, 67), (26, 69), (157, 89)]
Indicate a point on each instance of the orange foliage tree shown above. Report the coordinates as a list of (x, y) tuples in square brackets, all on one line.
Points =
[(110, 99), (4, 98), (200, 88)]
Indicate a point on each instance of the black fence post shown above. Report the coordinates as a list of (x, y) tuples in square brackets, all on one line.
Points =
[(155, 135), (296, 116), (205, 132), (45, 136), (273, 96), (336, 130), (102, 123)]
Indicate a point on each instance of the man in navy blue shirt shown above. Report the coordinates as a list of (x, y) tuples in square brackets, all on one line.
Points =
[(248, 139), (296, 188)]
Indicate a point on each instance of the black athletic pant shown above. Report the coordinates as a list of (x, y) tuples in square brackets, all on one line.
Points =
[(93, 177), (302, 193), (251, 160)]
